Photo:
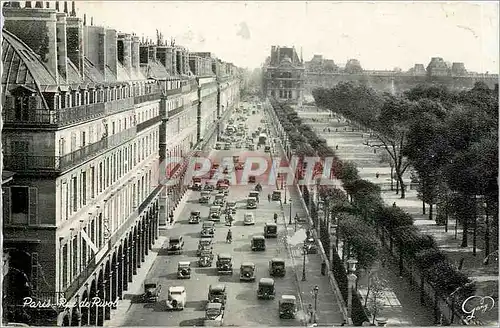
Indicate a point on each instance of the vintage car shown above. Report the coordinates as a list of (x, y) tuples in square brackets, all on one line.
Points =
[(214, 315), (251, 179), (208, 229), (251, 203), (267, 149), (254, 194), (151, 292), (205, 258), (227, 146), (270, 230), (276, 195), (231, 207), (175, 245), (194, 218), (208, 187), (218, 146), (217, 294), (287, 307), (247, 271), (310, 245), (205, 196), (196, 184), (277, 267), (220, 199), (214, 214), (183, 270), (176, 299), (222, 182), (251, 147), (258, 243), (266, 288), (224, 189), (239, 166), (236, 159), (248, 219), (224, 263), (204, 244)]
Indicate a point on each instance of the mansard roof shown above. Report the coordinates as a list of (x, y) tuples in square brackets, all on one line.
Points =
[(22, 66), (154, 70)]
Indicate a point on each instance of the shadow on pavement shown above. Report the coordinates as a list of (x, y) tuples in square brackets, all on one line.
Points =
[(170, 276), (190, 253), (163, 252), (211, 272), (247, 295), (192, 234), (243, 249), (197, 322), (229, 278), (134, 298), (196, 305)]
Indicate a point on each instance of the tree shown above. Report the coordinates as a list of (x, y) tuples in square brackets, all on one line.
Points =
[(375, 296), (391, 131)]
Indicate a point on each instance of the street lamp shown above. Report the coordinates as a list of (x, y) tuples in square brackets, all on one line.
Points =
[(351, 279), (285, 192), (304, 252), (315, 290), (290, 219)]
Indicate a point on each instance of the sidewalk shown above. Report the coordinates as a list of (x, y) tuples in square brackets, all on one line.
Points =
[(350, 147)]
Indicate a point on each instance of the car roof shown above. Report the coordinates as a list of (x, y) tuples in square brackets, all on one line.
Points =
[(214, 306), (176, 289), (208, 223), (277, 191), (288, 297), (271, 224), (231, 203), (184, 263), (252, 198), (277, 259), (225, 255), (247, 264), (258, 237), (217, 287), (214, 207), (195, 212), (206, 239), (175, 237), (266, 281)]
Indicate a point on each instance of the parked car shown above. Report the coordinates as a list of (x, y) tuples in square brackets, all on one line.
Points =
[(206, 258), (205, 196), (214, 214), (270, 230), (249, 219), (176, 298), (196, 184), (217, 294), (204, 244), (214, 315), (224, 263), (151, 292), (251, 179), (175, 245), (247, 271), (287, 307), (251, 203), (231, 207), (277, 267), (276, 195), (266, 289), (310, 245), (195, 217), (258, 243), (208, 229), (184, 270)]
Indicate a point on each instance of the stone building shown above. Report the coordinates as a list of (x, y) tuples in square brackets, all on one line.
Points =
[(90, 115), (284, 75)]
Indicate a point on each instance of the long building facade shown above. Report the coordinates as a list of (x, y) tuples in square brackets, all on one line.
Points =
[(90, 117)]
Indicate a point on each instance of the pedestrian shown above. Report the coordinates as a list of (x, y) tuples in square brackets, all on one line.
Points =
[(269, 198), (377, 175), (336, 147), (310, 312), (394, 204)]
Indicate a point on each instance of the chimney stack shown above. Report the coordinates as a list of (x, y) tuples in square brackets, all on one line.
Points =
[(57, 5), (124, 51), (62, 54), (111, 51), (73, 11), (75, 44), (152, 52), (143, 53), (39, 34), (135, 52), (66, 7)]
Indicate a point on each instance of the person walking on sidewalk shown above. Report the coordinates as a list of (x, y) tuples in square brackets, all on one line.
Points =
[(269, 198), (310, 313)]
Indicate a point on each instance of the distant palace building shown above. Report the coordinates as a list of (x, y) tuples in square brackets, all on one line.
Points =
[(283, 75)]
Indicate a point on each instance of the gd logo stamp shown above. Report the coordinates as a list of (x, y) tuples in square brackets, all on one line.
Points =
[(477, 304)]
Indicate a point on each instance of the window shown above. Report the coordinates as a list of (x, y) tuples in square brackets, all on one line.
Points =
[(84, 188), (83, 248), (113, 128), (61, 146), (100, 176), (92, 182), (19, 147), (73, 141), (75, 257), (21, 106), (64, 266), (84, 139), (23, 202), (74, 192)]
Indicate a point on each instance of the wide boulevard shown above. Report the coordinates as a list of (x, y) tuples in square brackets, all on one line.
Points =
[(243, 307)]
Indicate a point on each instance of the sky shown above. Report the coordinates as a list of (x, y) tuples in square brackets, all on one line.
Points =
[(381, 35)]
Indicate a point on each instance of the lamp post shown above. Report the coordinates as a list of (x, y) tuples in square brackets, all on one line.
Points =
[(304, 252), (285, 193), (290, 219), (351, 279), (315, 290)]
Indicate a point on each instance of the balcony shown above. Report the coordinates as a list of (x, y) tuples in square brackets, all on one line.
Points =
[(117, 106), (173, 92), (23, 162), (148, 97), (146, 124), (175, 111)]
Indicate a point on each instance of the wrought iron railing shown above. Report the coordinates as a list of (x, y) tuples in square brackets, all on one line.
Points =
[(148, 97), (172, 92), (146, 124), (175, 111)]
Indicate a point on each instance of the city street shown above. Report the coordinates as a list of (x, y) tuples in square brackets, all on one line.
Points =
[(243, 307)]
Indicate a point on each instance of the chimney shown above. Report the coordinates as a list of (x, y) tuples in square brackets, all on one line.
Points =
[(152, 52), (161, 55), (143, 53), (62, 53), (111, 51), (57, 5), (73, 11), (135, 52), (124, 51), (101, 50), (75, 44), (66, 7), (37, 28)]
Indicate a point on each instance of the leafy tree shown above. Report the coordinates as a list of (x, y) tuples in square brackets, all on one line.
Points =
[(375, 296), (365, 196)]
